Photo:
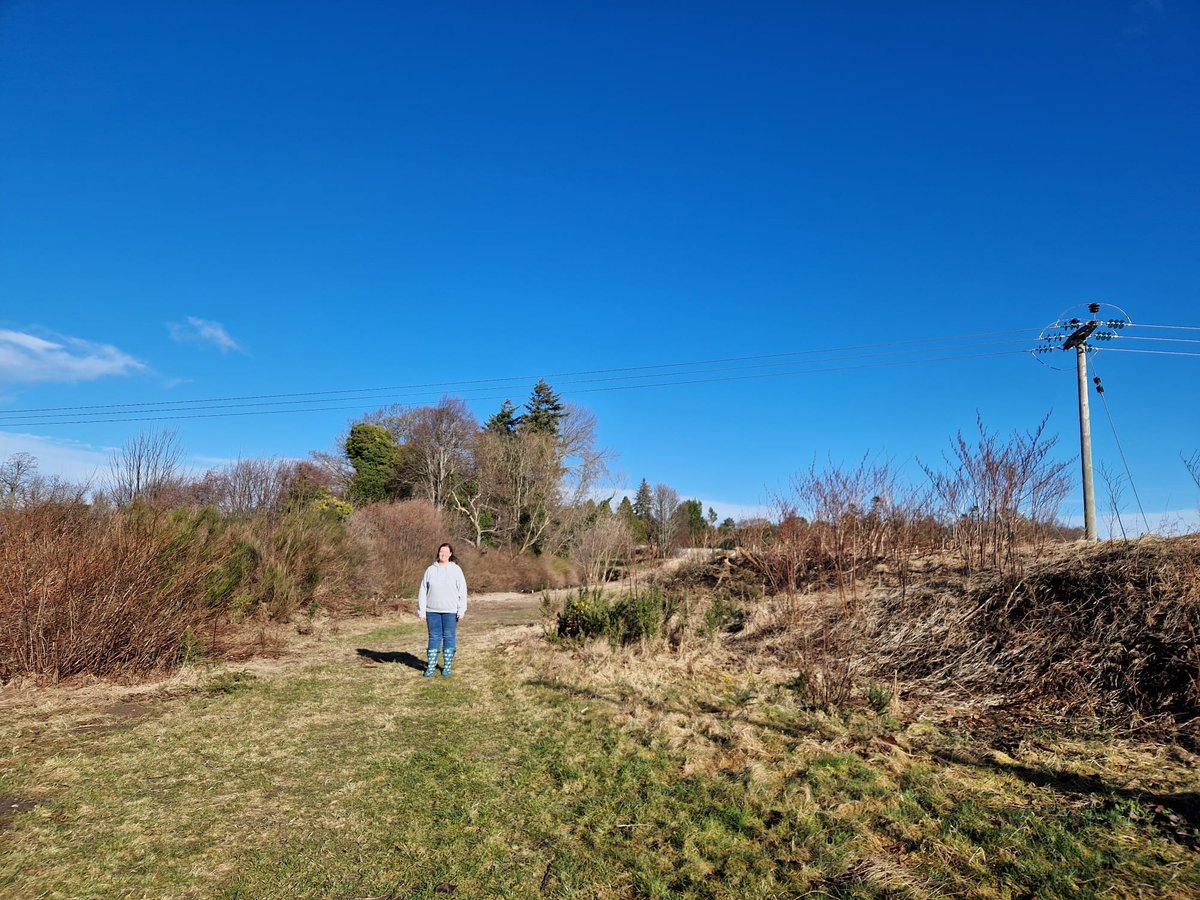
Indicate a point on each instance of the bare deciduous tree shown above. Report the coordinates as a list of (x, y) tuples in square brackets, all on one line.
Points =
[(17, 476), (1192, 464), (145, 467), (528, 489), (439, 442), (335, 468), (582, 465), (1114, 484), (850, 508), (518, 477), (248, 486), (601, 544), (663, 508)]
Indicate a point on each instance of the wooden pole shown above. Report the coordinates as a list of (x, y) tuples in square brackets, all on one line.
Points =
[(1085, 444)]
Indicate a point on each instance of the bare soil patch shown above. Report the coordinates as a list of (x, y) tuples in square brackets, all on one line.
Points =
[(10, 806)]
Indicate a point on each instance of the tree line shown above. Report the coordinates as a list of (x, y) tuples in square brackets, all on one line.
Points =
[(523, 479)]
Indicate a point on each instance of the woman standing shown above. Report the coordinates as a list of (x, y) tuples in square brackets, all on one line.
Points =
[(441, 602)]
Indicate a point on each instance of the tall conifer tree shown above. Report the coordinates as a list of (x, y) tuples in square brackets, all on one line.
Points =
[(505, 421), (643, 502), (543, 411)]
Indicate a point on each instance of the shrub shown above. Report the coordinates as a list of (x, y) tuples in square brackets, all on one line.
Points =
[(723, 614), (115, 593), (81, 592), (878, 696), (586, 615), (397, 541), (502, 571), (631, 618), (304, 558)]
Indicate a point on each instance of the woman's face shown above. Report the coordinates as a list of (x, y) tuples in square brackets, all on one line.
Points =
[(443, 554)]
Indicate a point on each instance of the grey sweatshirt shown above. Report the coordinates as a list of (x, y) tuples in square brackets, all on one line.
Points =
[(443, 590)]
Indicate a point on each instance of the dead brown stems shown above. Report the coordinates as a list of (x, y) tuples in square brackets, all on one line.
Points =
[(996, 496)]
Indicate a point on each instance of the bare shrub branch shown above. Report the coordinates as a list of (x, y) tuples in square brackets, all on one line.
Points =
[(996, 496), (145, 467)]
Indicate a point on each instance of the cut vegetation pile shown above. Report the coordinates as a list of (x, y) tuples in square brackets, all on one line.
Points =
[(1108, 630)]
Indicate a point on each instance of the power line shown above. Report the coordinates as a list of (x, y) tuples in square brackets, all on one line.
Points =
[(1121, 450), (123, 409), (1156, 352), (627, 387), (1139, 337), (517, 378), (1180, 327)]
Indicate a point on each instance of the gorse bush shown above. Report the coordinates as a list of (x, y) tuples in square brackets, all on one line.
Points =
[(723, 614), (586, 615), (639, 616), (303, 558), (114, 593), (634, 616)]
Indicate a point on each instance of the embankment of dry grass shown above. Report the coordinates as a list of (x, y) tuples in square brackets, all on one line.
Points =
[(1105, 630)]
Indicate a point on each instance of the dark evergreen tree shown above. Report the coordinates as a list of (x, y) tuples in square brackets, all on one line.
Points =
[(637, 527), (377, 460), (693, 513), (643, 502), (505, 422), (543, 411)]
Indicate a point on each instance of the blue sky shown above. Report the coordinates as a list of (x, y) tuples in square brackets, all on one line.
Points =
[(216, 199)]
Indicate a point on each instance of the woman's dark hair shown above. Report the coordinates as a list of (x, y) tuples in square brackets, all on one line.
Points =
[(453, 558)]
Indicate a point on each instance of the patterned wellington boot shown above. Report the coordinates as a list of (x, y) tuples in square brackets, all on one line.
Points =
[(431, 663), (448, 664)]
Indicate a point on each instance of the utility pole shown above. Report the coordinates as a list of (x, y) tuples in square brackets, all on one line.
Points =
[(1077, 340), (1085, 444)]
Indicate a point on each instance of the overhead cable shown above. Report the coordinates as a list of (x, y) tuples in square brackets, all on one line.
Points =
[(1155, 352), (1179, 327), (525, 378), (119, 409), (627, 387)]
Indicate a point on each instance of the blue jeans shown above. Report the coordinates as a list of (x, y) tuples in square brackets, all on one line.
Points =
[(442, 626)]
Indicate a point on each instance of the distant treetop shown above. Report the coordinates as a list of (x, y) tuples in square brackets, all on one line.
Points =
[(543, 411)]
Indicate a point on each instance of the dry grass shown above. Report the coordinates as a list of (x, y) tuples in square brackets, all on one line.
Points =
[(565, 772), (930, 808), (1105, 630)]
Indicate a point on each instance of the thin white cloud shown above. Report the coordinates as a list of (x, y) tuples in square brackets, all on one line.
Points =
[(203, 331), (80, 462), (28, 358), (71, 460)]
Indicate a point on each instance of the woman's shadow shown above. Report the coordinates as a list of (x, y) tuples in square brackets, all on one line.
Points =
[(381, 656)]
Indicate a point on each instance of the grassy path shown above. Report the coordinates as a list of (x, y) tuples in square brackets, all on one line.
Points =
[(343, 777)]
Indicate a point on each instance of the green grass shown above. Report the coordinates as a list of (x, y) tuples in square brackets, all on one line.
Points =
[(338, 780)]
